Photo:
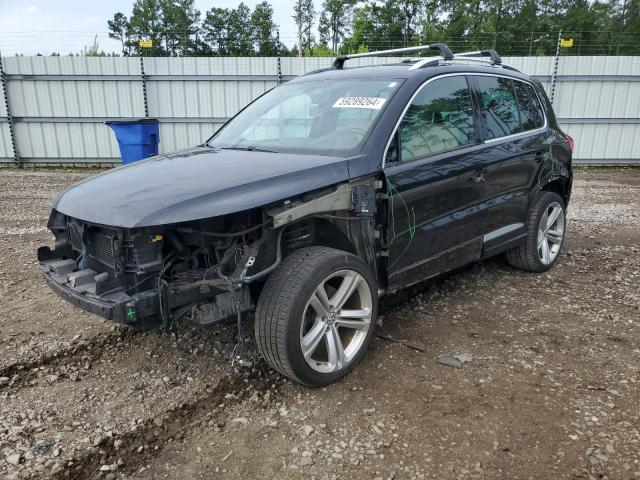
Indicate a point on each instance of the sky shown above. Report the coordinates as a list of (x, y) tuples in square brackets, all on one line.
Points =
[(45, 26)]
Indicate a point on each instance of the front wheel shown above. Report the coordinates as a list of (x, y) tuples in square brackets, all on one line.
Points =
[(545, 235), (316, 315)]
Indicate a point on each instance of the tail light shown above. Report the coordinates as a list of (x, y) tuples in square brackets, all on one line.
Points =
[(570, 142)]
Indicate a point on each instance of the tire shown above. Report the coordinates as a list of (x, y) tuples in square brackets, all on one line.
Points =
[(532, 256), (293, 315)]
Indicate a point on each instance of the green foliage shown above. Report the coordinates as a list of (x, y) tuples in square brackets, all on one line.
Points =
[(264, 30), (304, 14), (513, 27), (335, 19), (118, 30), (319, 50), (146, 23), (181, 22), (214, 30)]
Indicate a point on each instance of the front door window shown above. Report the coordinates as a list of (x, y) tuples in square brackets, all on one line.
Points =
[(440, 118)]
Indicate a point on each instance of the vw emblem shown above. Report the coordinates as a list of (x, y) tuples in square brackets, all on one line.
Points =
[(331, 318)]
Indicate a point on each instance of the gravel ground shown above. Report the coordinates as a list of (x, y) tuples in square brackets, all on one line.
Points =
[(552, 390)]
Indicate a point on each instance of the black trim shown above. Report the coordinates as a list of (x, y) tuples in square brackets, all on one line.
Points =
[(109, 310)]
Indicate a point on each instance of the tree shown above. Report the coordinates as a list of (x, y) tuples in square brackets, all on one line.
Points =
[(324, 29), (118, 30), (305, 13), (180, 21), (264, 30), (146, 22), (335, 18), (94, 49), (376, 26), (239, 37), (513, 27), (409, 11), (214, 30), (319, 50)]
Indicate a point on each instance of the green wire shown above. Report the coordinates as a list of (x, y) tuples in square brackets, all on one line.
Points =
[(411, 216)]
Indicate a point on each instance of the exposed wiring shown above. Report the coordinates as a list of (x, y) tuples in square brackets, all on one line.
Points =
[(148, 277), (411, 218), (239, 350)]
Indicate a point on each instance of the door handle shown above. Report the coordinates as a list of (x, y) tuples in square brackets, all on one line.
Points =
[(478, 175), (539, 157)]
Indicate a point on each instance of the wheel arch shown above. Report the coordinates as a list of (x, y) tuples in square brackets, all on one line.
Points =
[(315, 231), (336, 230), (560, 186)]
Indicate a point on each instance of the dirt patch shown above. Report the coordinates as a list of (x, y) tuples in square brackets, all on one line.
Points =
[(551, 391)]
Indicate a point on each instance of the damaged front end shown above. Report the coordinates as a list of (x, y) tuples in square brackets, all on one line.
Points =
[(153, 276), (204, 270)]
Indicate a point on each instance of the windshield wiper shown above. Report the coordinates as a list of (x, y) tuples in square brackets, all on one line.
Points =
[(249, 149)]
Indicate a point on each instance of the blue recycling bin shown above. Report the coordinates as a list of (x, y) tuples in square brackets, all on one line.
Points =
[(138, 139)]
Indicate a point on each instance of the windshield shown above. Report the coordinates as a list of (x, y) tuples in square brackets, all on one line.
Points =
[(319, 117)]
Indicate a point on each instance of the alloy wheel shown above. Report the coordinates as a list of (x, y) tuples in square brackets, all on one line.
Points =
[(335, 321), (551, 233)]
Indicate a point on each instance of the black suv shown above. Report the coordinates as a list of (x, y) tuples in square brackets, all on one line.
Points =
[(325, 193)]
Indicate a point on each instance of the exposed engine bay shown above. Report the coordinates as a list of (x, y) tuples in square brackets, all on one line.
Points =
[(205, 271)]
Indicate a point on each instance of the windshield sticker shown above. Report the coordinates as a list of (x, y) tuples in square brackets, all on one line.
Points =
[(373, 103)]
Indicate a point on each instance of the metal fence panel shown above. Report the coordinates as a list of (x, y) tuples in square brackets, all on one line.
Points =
[(592, 100), (44, 142), (6, 151), (59, 103)]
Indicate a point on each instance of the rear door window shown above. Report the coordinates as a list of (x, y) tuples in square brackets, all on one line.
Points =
[(440, 118), (499, 106)]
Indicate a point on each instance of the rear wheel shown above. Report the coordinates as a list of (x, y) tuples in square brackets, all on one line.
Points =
[(545, 235), (316, 315)]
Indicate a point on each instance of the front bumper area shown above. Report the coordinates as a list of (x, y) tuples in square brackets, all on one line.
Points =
[(117, 305)]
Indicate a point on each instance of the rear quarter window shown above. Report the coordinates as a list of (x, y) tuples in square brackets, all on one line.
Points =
[(499, 106), (531, 115)]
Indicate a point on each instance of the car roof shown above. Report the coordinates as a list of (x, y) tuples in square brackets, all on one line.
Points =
[(404, 70)]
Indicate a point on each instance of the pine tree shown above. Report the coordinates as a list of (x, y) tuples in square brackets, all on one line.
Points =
[(335, 19), (263, 29), (214, 30), (118, 30), (239, 36), (146, 23), (304, 14)]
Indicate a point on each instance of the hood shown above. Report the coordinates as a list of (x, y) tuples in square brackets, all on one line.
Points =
[(195, 184)]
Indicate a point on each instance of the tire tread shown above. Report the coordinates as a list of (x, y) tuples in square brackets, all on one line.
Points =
[(277, 300), (525, 256)]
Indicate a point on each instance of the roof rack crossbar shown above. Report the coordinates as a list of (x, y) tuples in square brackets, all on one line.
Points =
[(495, 58), (474, 57), (441, 48)]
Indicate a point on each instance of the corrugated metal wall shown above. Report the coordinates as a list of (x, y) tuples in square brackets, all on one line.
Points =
[(58, 104)]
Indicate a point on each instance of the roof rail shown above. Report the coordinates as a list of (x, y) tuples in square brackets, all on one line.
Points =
[(475, 56), (441, 48)]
